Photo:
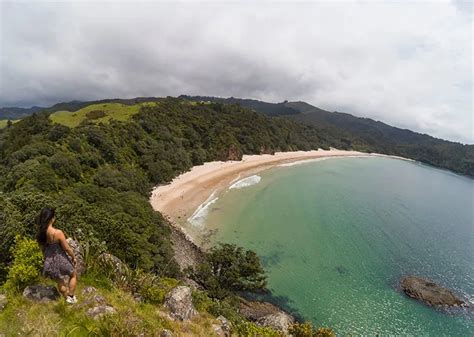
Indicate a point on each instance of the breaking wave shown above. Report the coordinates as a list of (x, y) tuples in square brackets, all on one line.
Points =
[(304, 161), (199, 216), (249, 181)]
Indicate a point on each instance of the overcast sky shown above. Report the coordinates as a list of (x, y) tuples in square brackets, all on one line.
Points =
[(407, 64)]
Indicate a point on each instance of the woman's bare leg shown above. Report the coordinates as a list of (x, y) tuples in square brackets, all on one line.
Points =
[(62, 287), (72, 283)]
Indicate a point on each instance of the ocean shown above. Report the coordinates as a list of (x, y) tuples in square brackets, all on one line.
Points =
[(337, 235)]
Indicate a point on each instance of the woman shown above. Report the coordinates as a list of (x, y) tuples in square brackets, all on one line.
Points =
[(57, 264)]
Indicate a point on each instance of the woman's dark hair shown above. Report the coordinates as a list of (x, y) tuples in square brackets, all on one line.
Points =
[(43, 220)]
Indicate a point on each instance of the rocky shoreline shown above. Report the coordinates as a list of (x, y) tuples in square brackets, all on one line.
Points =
[(188, 254)]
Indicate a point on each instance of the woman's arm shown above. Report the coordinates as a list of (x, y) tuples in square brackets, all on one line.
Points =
[(63, 242)]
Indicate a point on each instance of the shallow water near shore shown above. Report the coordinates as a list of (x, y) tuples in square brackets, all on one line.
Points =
[(337, 235)]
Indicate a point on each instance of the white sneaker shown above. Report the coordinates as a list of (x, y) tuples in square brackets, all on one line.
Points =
[(71, 299)]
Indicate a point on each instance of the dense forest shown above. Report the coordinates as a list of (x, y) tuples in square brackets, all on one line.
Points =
[(365, 134), (99, 175)]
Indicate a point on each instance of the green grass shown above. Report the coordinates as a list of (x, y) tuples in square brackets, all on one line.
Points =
[(23, 317), (3, 122), (97, 113)]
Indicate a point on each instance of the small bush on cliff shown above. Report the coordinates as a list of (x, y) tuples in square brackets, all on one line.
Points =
[(251, 329), (307, 330), (302, 329), (26, 266), (229, 268), (154, 289)]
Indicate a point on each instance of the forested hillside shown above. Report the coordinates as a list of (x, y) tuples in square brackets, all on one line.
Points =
[(335, 129), (365, 134), (99, 173)]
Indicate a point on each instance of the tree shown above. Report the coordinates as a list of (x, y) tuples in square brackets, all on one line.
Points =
[(227, 268)]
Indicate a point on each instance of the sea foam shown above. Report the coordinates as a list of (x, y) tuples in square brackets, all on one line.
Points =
[(249, 181), (199, 216), (304, 161)]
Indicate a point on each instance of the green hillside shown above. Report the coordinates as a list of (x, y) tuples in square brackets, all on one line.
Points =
[(97, 113), (4, 122), (365, 134), (97, 165)]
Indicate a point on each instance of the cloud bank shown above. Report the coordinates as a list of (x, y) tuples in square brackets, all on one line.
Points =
[(407, 64)]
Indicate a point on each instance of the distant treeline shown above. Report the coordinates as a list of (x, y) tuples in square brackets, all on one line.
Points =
[(365, 134), (99, 176)]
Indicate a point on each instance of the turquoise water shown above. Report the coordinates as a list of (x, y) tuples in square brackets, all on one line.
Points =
[(337, 235)]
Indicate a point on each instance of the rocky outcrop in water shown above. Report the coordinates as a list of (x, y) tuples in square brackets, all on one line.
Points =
[(429, 292)]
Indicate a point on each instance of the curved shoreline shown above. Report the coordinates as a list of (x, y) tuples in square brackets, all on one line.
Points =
[(178, 200)]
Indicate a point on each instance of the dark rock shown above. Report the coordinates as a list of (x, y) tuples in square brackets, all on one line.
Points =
[(180, 302), (3, 301), (429, 292), (79, 254), (41, 293), (100, 311)]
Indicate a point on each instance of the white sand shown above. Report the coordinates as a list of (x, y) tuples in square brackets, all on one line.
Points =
[(185, 193)]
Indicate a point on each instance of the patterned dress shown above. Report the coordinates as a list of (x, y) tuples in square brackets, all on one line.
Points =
[(57, 264)]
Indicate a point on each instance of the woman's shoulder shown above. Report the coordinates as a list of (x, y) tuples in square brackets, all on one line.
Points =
[(56, 235), (59, 235)]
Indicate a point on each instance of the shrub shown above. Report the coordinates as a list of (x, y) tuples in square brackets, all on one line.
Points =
[(154, 289), (324, 332), (301, 330), (27, 263), (251, 329), (229, 268), (92, 246), (66, 166), (95, 114), (201, 301), (228, 307), (307, 330)]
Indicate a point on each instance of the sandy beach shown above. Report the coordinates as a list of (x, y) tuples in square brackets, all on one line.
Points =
[(179, 199)]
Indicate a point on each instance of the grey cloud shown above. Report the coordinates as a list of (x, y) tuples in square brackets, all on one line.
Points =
[(406, 64)]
